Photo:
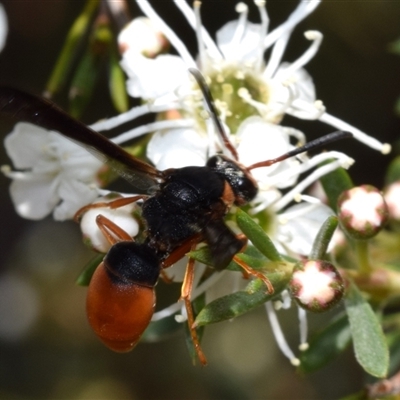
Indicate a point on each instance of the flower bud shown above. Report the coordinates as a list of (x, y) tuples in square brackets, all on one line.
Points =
[(121, 216), (316, 285), (362, 211), (142, 36)]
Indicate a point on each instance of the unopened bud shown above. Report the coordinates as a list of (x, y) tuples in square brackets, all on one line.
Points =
[(143, 36), (316, 285), (362, 211)]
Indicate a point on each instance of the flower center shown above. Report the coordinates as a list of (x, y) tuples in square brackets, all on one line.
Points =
[(239, 93)]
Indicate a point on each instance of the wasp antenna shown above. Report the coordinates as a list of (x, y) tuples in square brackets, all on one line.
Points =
[(213, 110), (329, 138)]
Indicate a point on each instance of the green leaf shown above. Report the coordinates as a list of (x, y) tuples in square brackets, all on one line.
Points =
[(82, 84), (369, 342), (257, 236), (394, 47), (235, 304), (74, 38), (117, 84), (334, 184), (393, 171), (393, 339), (88, 69), (86, 275), (326, 345), (324, 236)]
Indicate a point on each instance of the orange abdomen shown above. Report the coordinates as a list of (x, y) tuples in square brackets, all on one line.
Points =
[(118, 312)]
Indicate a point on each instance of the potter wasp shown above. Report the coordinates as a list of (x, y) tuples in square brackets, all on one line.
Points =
[(181, 208)]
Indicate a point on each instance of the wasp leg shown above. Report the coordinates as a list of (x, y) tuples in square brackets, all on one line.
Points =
[(250, 271), (112, 232), (117, 203), (176, 255), (186, 292)]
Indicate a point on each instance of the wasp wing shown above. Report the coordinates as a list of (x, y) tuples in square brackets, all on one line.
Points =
[(41, 112)]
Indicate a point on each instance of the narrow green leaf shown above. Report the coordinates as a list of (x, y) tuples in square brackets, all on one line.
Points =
[(235, 304), (75, 36), (257, 236), (369, 342), (393, 171), (88, 69), (334, 184), (117, 84), (326, 345), (82, 84), (324, 236), (86, 275), (251, 256)]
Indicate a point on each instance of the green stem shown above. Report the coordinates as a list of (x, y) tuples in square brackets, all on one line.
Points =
[(362, 251)]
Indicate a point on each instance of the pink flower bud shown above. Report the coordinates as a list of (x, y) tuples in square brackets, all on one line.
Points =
[(362, 211), (316, 285)]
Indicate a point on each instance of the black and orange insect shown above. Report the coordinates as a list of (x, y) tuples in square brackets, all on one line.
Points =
[(181, 208)]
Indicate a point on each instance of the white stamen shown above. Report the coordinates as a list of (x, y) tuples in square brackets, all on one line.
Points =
[(287, 300), (305, 8), (135, 112), (168, 32), (305, 110), (317, 174), (276, 55), (152, 127), (180, 318), (316, 38), (188, 13), (384, 148), (280, 35), (277, 331), (299, 135), (263, 29), (242, 9), (298, 169), (173, 308), (200, 42), (303, 327)]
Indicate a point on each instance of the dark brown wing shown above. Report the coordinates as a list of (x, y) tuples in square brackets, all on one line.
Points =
[(25, 107)]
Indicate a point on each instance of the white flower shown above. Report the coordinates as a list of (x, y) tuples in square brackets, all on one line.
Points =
[(56, 175), (3, 27), (240, 80)]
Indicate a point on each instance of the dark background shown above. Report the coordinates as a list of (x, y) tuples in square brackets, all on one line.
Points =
[(46, 347)]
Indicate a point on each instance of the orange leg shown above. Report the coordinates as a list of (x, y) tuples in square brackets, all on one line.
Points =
[(186, 292), (112, 232), (117, 203), (250, 271)]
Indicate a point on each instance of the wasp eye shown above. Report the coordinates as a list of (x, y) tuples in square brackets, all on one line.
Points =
[(243, 184)]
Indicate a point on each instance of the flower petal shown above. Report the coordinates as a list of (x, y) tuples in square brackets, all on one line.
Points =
[(246, 49), (34, 199), (177, 148), (152, 78), (26, 144), (74, 195)]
